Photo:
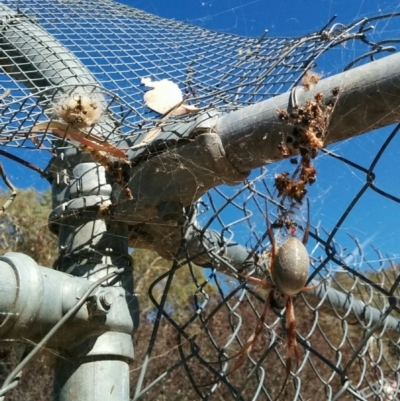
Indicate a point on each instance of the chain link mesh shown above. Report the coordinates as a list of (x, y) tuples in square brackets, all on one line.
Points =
[(348, 347)]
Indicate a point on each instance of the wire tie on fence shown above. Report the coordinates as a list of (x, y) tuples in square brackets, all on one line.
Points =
[(293, 98)]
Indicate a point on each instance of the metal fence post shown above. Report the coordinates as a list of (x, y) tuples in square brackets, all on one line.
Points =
[(95, 365)]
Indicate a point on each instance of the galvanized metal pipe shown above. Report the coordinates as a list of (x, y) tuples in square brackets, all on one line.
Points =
[(368, 99)]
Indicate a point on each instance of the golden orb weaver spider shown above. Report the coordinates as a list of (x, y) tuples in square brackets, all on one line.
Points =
[(288, 267)]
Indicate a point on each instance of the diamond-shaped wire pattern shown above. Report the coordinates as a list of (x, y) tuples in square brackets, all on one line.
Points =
[(108, 48)]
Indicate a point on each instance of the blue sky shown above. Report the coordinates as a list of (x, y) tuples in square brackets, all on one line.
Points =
[(251, 17)]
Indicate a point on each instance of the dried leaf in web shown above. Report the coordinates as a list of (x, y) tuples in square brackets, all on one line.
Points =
[(165, 96)]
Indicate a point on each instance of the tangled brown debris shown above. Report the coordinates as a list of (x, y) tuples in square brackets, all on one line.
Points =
[(79, 109), (310, 79), (116, 168), (310, 123), (296, 190), (77, 113)]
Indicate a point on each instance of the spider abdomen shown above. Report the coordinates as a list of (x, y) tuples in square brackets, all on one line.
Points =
[(291, 266)]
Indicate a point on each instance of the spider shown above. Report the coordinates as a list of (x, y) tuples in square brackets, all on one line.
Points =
[(288, 267)]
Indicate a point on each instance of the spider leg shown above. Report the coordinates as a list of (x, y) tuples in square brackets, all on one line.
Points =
[(292, 346), (313, 287), (255, 280), (246, 349), (291, 332), (271, 240)]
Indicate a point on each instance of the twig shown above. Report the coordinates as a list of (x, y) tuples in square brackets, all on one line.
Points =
[(23, 162), (11, 186)]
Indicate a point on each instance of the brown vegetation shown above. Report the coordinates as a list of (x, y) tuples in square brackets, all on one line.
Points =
[(310, 79)]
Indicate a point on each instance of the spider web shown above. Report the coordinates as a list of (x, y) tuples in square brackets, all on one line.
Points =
[(238, 212)]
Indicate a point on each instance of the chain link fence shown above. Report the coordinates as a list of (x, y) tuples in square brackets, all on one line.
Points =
[(347, 327)]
